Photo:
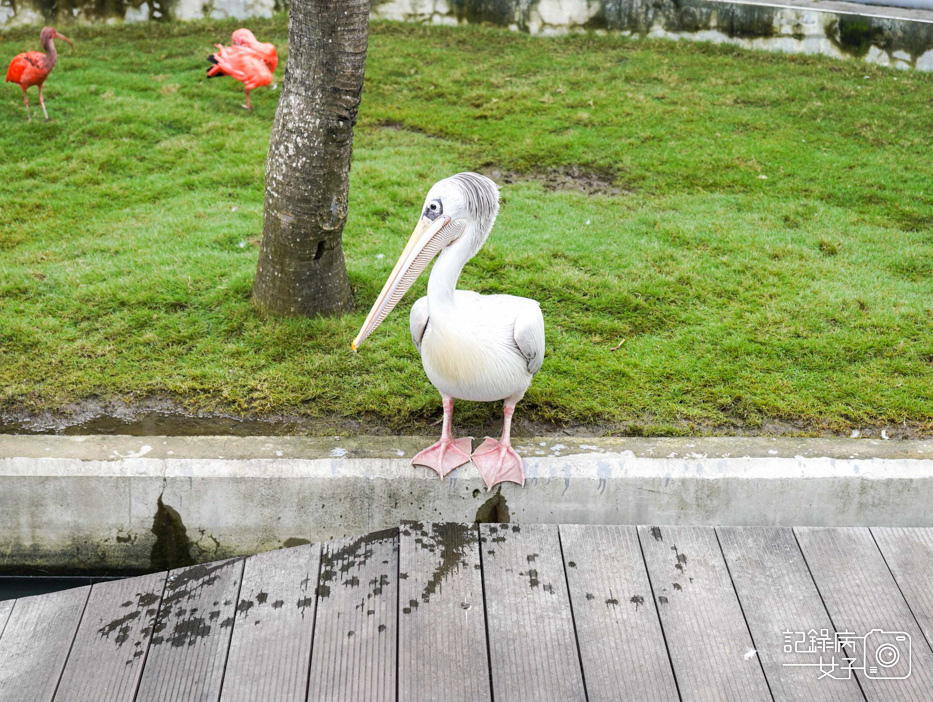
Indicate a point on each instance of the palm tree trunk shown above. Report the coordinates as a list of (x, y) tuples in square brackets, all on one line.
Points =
[(301, 266)]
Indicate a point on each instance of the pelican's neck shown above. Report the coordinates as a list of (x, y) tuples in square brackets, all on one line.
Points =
[(443, 280)]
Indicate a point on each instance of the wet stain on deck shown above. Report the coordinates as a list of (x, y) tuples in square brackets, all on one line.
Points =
[(184, 624), (121, 626), (681, 559), (343, 565), (451, 543)]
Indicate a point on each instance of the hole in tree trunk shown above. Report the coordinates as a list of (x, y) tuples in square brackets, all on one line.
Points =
[(320, 250)]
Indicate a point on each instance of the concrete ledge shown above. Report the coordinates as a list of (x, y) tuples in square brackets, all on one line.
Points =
[(114, 447), (109, 503)]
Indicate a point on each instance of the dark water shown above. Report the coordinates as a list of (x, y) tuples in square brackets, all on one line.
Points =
[(167, 424), (13, 586)]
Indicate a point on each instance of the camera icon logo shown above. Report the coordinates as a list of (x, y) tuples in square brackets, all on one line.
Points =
[(886, 655), (879, 654)]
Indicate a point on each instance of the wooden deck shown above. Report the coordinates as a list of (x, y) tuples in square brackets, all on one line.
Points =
[(499, 612)]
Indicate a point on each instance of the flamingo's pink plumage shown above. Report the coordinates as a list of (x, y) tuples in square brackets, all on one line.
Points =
[(240, 63), (244, 37)]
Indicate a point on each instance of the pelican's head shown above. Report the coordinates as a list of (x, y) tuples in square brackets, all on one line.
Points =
[(458, 214)]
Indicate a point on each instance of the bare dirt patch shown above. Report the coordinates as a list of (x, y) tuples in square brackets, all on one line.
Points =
[(394, 126), (574, 177), (564, 178), (165, 416)]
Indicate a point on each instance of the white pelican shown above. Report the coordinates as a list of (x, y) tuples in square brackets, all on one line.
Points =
[(473, 347)]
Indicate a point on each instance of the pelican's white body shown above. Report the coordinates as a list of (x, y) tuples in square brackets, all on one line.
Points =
[(474, 347), (479, 347)]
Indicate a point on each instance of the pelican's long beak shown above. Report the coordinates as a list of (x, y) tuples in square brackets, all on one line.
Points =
[(62, 36), (425, 243)]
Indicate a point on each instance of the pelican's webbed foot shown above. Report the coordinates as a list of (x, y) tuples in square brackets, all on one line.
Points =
[(498, 463), (445, 455)]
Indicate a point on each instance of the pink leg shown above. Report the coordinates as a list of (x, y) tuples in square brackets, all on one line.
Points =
[(42, 102), (247, 100), (26, 98), (448, 453), (497, 460)]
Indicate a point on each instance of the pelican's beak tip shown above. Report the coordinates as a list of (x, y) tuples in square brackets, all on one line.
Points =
[(356, 349)]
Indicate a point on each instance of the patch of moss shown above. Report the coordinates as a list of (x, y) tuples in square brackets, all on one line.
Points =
[(854, 35)]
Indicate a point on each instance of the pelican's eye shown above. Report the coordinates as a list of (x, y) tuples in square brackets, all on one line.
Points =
[(434, 210)]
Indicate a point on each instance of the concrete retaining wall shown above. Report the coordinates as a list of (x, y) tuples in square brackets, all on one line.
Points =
[(885, 35), (106, 503)]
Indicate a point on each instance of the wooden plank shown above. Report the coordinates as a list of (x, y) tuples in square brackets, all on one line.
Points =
[(36, 642), (192, 634), (709, 643), (621, 643), (110, 647), (271, 647), (442, 629), (909, 554), (778, 595), (532, 646), (862, 598), (355, 636)]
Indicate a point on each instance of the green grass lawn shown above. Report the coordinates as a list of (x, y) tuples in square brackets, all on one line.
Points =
[(765, 249)]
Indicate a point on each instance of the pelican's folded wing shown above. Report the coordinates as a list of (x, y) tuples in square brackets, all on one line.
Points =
[(418, 321), (529, 335)]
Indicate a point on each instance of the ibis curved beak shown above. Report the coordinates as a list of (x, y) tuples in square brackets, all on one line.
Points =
[(424, 244), (62, 36)]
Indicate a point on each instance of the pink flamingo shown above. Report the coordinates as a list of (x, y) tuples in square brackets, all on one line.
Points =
[(244, 37), (33, 67), (240, 63)]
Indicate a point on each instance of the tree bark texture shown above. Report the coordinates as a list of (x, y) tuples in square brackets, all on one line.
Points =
[(301, 266)]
